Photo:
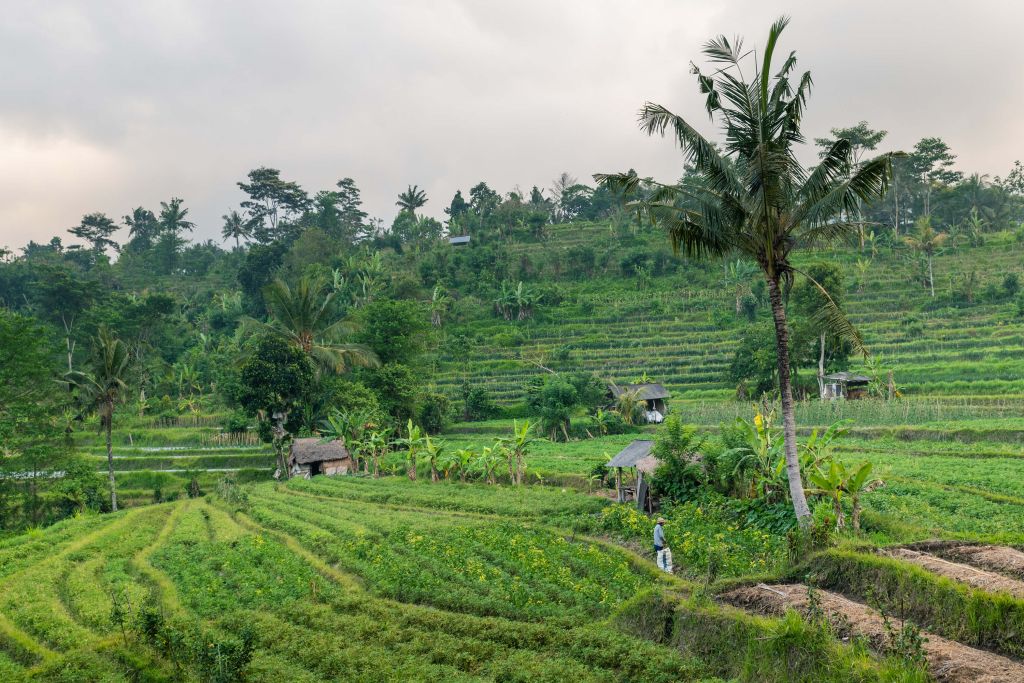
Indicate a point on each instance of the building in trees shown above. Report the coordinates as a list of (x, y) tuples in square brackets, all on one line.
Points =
[(636, 456), (312, 456), (653, 395), (845, 385), (458, 240)]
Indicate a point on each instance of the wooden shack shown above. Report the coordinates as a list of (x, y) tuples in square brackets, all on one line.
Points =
[(636, 457), (458, 240), (652, 394), (313, 456), (844, 385)]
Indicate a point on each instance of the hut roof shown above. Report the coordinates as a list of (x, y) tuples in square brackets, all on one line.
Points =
[(848, 378), (648, 392), (305, 451), (458, 239), (632, 454)]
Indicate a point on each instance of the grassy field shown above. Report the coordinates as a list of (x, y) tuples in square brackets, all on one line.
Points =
[(372, 580)]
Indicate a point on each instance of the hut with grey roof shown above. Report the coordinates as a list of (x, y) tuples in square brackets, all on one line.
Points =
[(652, 394), (637, 457), (844, 385), (313, 456)]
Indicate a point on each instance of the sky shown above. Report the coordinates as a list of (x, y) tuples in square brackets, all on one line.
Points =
[(110, 105)]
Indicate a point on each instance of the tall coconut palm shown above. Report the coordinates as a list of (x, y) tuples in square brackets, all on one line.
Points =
[(412, 199), (100, 387), (754, 199), (926, 240), (305, 317), (235, 227)]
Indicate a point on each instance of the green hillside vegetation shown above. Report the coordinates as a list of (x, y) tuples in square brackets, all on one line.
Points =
[(153, 528)]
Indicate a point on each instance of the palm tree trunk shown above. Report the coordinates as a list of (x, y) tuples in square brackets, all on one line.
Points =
[(931, 276), (821, 366), (796, 486), (110, 461)]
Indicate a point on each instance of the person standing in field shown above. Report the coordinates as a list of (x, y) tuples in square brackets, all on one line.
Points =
[(661, 549)]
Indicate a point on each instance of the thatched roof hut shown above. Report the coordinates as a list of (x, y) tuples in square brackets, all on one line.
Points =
[(312, 456)]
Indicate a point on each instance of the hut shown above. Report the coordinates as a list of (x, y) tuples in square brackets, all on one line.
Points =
[(653, 395), (844, 385), (636, 456), (458, 240), (313, 456)]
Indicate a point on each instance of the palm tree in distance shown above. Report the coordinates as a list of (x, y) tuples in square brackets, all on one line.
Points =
[(100, 387), (754, 199), (412, 199), (305, 317), (926, 240), (235, 227)]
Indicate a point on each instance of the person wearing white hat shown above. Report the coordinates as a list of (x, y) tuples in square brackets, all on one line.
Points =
[(661, 549)]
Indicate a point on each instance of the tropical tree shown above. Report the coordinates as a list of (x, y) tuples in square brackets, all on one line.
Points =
[(414, 444), (465, 458), (439, 303), (926, 240), (859, 482), (829, 483), (305, 317), (737, 279), (96, 229), (491, 457), (100, 387), (235, 228), (516, 450), (412, 199), (754, 198), (434, 450), (630, 406)]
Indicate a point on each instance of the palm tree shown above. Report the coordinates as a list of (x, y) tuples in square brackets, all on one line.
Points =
[(630, 406), (737, 278), (100, 387), (305, 318), (439, 302), (754, 199), (412, 199), (235, 227), (926, 240)]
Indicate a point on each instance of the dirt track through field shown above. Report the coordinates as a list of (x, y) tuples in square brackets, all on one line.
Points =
[(964, 573), (948, 661), (996, 558)]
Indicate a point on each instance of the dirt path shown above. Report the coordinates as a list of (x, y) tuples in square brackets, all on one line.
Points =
[(964, 573), (995, 558), (948, 661)]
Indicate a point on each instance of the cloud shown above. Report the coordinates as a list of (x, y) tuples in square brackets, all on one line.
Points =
[(110, 105)]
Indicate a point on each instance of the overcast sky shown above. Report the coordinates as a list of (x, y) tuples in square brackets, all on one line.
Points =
[(105, 106)]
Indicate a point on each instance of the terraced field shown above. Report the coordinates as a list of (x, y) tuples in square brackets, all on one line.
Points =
[(675, 331), (376, 580)]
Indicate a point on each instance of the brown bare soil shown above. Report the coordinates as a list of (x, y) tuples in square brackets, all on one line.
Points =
[(964, 573), (996, 558), (948, 661)]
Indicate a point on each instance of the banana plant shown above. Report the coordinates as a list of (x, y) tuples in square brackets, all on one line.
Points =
[(517, 448), (831, 484), (465, 457), (818, 447), (490, 460), (858, 483), (413, 445), (434, 450)]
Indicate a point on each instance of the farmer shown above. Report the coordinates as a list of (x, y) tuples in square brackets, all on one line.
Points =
[(661, 550)]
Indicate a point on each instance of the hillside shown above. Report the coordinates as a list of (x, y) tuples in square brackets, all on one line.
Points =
[(678, 329)]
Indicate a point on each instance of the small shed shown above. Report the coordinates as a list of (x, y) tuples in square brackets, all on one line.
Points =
[(637, 456), (313, 456), (652, 394), (844, 385), (458, 240)]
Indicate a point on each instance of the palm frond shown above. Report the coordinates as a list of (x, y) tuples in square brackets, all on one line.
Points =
[(832, 318)]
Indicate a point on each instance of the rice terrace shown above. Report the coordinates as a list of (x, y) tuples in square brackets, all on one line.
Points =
[(742, 402)]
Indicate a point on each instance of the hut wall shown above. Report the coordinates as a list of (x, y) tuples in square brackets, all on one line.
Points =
[(333, 467)]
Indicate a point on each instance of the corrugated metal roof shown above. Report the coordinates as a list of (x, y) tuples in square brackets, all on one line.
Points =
[(648, 392), (458, 239), (848, 377), (632, 454)]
